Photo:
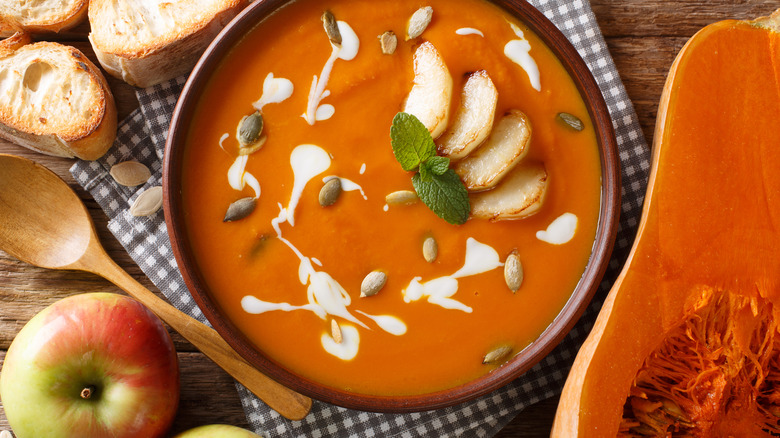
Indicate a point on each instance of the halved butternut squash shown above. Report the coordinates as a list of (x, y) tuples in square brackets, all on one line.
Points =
[(701, 286)]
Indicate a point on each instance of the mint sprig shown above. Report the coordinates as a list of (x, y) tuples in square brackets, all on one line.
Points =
[(437, 186)]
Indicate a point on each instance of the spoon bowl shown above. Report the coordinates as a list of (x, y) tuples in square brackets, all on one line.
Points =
[(44, 223)]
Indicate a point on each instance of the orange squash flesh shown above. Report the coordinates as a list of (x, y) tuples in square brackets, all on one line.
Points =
[(709, 237)]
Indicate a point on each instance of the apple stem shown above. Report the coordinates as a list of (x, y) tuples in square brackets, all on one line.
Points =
[(87, 392)]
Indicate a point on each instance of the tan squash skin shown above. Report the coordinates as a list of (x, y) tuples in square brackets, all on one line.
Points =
[(711, 215)]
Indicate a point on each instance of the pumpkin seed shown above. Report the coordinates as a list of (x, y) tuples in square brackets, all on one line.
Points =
[(513, 272), (401, 197), (254, 147), (335, 331), (258, 245), (148, 202), (388, 42), (430, 249), (571, 121), (498, 354), (330, 192), (249, 129), (373, 283), (331, 28), (419, 21), (240, 209), (130, 173)]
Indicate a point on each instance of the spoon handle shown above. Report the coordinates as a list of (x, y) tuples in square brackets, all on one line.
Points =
[(283, 400)]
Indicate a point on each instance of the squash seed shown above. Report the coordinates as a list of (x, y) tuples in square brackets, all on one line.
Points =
[(254, 147), (330, 192), (388, 42), (419, 21), (331, 28), (240, 209), (148, 202), (373, 283), (130, 173), (249, 129), (513, 272), (571, 121), (401, 197), (430, 249), (335, 331), (496, 355)]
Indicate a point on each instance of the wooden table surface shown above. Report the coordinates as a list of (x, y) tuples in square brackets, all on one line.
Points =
[(643, 37)]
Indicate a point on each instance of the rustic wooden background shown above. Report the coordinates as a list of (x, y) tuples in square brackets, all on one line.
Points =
[(643, 36)]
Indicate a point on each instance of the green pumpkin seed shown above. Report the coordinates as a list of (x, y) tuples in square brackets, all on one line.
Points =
[(419, 21), (254, 147), (330, 192), (571, 121), (373, 283), (249, 129), (240, 209), (496, 355), (388, 42), (331, 28), (513, 272)]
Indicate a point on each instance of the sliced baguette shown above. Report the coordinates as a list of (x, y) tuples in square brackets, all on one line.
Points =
[(40, 15), (145, 42), (54, 100)]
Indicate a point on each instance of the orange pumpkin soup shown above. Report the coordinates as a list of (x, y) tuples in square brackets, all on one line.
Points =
[(288, 272)]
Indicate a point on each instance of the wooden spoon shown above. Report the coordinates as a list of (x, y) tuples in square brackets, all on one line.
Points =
[(44, 223)]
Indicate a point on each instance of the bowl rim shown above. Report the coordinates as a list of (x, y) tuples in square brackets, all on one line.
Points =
[(568, 316)]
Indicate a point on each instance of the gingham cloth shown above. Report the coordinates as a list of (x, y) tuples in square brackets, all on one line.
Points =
[(142, 137)]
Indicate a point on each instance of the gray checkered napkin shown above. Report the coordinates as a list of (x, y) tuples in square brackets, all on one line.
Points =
[(142, 137)]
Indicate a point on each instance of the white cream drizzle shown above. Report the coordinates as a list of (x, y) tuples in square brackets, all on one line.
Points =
[(346, 51), (324, 294), (362, 168), (560, 231), (238, 177), (275, 90), (469, 31), (348, 348), (439, 291), (222, 139), (518, 51)]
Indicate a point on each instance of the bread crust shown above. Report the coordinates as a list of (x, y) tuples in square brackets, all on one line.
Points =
[(145, 56), (52, 16), (54, 100)]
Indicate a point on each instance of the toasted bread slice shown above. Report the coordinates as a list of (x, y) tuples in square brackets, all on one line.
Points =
[(40, 15), (54, 100), (145, 42)]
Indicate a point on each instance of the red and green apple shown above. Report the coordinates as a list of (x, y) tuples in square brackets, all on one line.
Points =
[(91, 365)]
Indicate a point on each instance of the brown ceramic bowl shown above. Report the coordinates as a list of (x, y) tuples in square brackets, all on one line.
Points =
[(523, 361)]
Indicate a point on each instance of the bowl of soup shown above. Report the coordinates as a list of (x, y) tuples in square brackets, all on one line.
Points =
[(388, 207)]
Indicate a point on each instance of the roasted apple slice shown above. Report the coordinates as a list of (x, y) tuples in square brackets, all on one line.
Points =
[(506, 146), (429, 99), (474, 119), (519, 195)]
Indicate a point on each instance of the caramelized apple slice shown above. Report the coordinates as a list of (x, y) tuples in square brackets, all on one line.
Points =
[(506, 146), (519, 195), (429, 99), (474, 118)]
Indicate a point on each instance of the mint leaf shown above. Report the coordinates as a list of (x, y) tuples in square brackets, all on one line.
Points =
[(437, 164), (445, 195), (412, 143)]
